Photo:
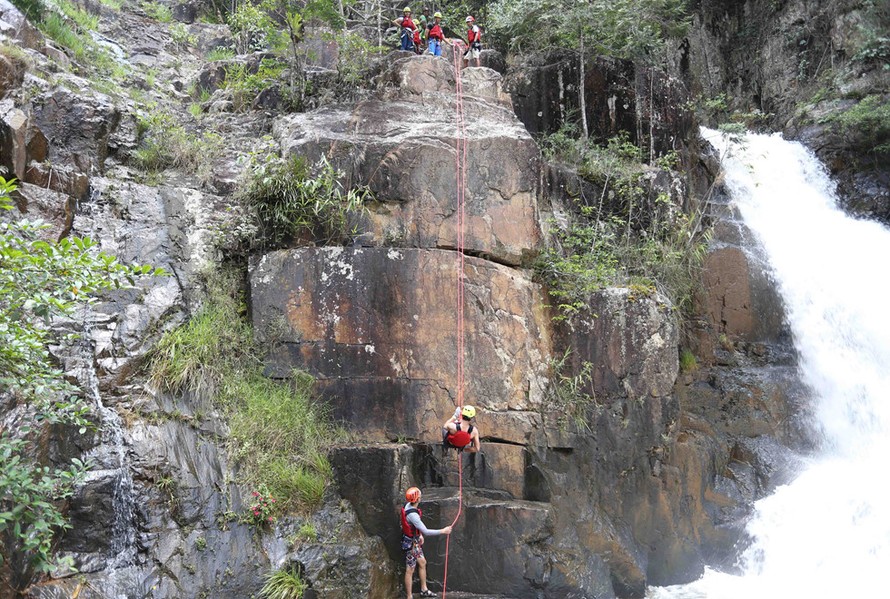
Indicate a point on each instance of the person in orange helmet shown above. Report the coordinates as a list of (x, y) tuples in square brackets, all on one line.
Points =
[(413, 532)]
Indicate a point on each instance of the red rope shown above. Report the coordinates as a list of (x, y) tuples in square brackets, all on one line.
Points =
[(460, 155)]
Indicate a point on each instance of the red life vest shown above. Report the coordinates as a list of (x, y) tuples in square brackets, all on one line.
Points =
[(408, 529), (461, 439), (407, 23), (474, 36), (436, 32)]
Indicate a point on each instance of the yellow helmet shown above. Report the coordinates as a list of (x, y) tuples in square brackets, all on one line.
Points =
[(437, 15), (468, 412), (406, 9)]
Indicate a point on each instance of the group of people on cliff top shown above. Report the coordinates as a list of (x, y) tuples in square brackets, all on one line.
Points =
[(459, 433), (428, 35)]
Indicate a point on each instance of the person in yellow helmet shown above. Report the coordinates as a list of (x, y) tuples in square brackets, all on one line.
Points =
[(436, 35), (460, 432), (407, 29)]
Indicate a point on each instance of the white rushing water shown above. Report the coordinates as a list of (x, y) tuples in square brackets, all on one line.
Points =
[(827, 533)]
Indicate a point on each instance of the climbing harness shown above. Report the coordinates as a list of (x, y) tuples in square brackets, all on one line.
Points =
[(460, 142)]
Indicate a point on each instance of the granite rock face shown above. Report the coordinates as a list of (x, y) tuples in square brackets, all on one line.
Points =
[(378, 327), (403, 147)]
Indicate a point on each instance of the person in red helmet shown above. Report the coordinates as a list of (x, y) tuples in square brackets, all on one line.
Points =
[(413, 531), (474, 42)]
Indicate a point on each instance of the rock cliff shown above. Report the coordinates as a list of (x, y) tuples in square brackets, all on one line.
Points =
[(648, 485)]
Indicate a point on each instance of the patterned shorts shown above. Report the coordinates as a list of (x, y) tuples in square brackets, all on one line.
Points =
[(413, 553)]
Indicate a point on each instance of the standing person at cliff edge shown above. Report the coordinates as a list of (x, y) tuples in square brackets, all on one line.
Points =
[(413, 531), (474, 42), (406, 30), (436, 35)]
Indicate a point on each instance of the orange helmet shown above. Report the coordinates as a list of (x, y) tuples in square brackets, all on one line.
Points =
[(412, 494)]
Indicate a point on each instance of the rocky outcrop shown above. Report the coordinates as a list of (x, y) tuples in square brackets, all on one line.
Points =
[(378, 327), (620, 97), (412, 132), (798, 66)]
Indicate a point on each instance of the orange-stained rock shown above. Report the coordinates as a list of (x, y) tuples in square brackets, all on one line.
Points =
[(725, 276), (379, 328)]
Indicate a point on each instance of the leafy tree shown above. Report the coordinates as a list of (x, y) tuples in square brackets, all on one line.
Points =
[(40, 280)]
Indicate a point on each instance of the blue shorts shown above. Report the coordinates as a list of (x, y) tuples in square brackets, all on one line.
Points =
[(435, 47)]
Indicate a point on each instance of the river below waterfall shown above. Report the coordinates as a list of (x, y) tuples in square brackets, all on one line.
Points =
[(827, 533)]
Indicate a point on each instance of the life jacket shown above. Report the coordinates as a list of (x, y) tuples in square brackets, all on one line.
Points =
[(436, 32), (407, 23), (408, 529), (461, 438), (474, 34), (417, 36)]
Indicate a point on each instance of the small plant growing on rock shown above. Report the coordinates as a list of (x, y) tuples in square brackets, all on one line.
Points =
[(261, 509), (688, 361), (283, 584), (290, 205)]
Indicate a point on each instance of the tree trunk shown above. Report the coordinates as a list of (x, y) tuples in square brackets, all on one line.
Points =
[(582, 97)]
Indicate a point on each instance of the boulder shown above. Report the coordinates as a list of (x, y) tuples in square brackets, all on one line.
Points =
[(13, 139), (378, 328), (409, 162), (78, 127), (14, 25)]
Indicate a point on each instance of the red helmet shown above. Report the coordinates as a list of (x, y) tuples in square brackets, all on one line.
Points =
[(412, 494)]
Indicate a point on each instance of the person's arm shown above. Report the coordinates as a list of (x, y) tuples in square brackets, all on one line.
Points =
[(477, 441), (414, 519)]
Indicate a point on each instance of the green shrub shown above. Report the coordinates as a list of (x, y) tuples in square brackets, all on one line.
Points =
[(158, 11), (283, 584), (868, 123), (246, 86), (278, 433), (220, 54), (164, 143), (688, 361), (627, 235), (290, 205), (570, 396)]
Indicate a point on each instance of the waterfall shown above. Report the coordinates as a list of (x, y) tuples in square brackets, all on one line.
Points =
[(827, 533)]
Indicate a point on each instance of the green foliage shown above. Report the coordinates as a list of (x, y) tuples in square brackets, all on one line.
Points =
[(278, 433), (246, 86), (201, 543), (283, 584), (621, 28), (873, 26), (220, 54), (165, 143), (113, 4), (289, 204), (69, 26), (629, 235), (180, 35), (259, 513), (307, 532), (29, 508), (158, 11), (570, 396), (33, 9), (688, 361), (867, 123), (40, 280)]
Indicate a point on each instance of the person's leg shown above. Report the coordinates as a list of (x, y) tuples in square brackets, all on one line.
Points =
[(409, 575), (421, 571)]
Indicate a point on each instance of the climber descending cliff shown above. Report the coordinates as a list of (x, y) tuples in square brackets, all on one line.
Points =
[(459, 431)]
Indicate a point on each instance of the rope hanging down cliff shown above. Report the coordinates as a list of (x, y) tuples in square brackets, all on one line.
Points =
[(460, 154)]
